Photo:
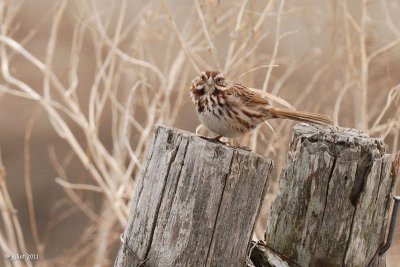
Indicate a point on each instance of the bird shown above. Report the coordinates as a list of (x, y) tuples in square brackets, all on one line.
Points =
[(230, 109)]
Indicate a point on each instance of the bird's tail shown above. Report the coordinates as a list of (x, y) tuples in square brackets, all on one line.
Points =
[(300, 116)]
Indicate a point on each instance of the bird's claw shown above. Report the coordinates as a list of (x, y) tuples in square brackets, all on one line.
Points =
[(216, 139)]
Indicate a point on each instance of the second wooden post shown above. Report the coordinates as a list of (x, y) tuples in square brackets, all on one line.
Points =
[(334, 199)]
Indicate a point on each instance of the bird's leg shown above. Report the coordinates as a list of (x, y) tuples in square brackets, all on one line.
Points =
[(238, 144), (241, 140)]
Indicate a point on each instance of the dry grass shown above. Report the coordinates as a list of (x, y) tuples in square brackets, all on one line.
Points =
[(106, 71)]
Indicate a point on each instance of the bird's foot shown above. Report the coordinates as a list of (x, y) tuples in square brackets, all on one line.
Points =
[(216, 139)]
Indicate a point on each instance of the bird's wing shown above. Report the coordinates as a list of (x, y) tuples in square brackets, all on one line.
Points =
[(273, 98), (239, 93)]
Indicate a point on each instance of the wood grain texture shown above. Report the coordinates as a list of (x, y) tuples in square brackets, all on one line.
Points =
[(334, 199), (195, 203)]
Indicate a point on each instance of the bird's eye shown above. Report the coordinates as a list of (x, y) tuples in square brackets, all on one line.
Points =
[(218, 79), (204, 78)]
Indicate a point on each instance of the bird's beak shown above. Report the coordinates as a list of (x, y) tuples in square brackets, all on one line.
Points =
[(210, 81)]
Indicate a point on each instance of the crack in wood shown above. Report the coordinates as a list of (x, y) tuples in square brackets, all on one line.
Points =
[(364, 166), (172, 156), (327, 192), (219, 208)]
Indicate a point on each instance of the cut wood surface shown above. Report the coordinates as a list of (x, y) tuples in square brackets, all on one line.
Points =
[(334, 199), (195, 203)]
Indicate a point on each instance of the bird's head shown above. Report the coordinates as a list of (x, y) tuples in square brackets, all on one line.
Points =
[(209, 81)]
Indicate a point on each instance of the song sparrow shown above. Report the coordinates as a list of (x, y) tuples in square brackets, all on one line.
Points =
[(230, 109)]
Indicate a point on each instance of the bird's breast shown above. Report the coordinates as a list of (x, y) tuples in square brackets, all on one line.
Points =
[(214, 114)]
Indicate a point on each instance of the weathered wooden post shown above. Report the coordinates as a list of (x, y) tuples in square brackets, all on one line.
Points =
[(195, 204), (334, 200)]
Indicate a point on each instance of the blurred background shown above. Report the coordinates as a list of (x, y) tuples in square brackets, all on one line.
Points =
[(83, 82)]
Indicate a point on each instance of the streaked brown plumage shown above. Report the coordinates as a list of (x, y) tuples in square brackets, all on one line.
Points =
[(228, 108)]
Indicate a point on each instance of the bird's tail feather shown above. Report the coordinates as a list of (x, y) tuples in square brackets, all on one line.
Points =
[(300, 116)]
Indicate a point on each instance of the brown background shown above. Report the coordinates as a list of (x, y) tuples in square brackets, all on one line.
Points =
[(315, 48)]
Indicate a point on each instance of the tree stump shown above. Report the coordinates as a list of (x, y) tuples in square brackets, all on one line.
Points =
[(195, 203), (334, 199)]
